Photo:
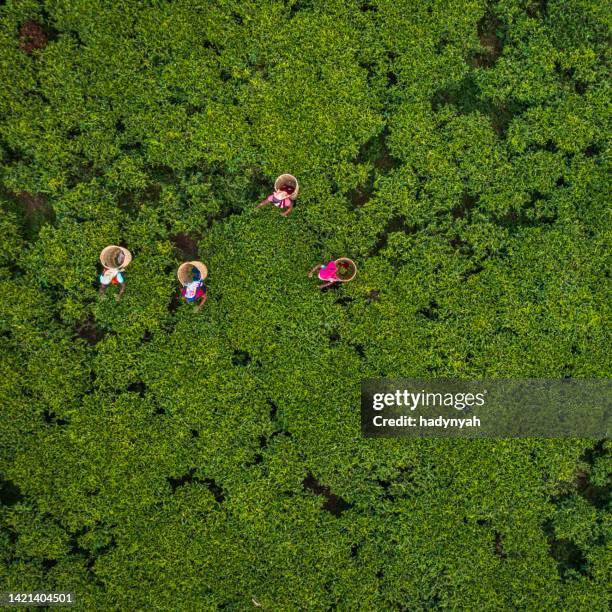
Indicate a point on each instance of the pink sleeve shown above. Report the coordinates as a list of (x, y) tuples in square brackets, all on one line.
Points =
[(270, 198), (287, 202)]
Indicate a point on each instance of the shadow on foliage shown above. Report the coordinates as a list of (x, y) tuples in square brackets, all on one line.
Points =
[(366, 7), (359, 349), (273, 410), (137, 387), (215, 489), (52, 419), (598, 496), (263, 440), (241, 358), (395, 224), (175, 302), (568, 76), (405, 478), (385, 485), (467, 203), (477, 269), (537, 9), (333, 503), (300, 5), (48, 564), (374, 151), (88, 330), (491, 32), (466, 97), (257, 460), (89, 556), (344, 300), (514, 220), (568, 555), (189, 478), (592, 150), (10, 493), (430, 311)]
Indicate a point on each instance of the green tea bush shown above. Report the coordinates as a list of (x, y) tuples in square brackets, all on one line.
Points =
[(154, 458)]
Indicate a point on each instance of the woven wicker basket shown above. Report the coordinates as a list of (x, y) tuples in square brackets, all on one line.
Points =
[(184, 271), (352, 263), (108, 257), (287, 179)]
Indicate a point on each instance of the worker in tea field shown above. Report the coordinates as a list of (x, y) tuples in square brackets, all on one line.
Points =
[(339, 271), (327, 273), (195, 289), (281, 199), (113, 276)]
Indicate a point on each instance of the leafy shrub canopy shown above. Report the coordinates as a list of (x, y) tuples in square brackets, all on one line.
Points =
[(152, 458)]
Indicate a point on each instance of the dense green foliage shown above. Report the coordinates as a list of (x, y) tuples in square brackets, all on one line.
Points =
[(152, 458)]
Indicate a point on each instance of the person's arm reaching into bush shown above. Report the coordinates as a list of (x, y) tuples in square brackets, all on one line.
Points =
[(288, 208), (121, 290), (317, 267), (202, 300), (263, 202)]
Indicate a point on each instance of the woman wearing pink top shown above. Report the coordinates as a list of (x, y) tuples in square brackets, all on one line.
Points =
[(281, 200), (327, 273)]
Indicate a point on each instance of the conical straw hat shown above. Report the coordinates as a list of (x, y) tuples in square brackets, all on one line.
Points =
[(108, 257), (184, 271), (287, 179)]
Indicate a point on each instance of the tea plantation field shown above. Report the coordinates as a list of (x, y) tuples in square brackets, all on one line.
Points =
[(154, 458)]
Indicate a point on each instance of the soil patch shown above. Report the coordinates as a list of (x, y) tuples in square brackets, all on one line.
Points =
[(467, 203), (33, 211), (32, 37), (501, 117), (186, 245), (89, 332), (35, 208), (490, 32), (32, 203), (499, 546)]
